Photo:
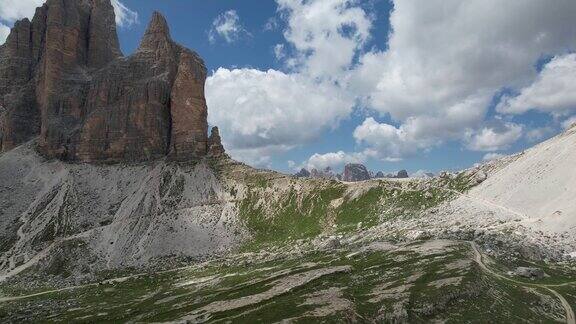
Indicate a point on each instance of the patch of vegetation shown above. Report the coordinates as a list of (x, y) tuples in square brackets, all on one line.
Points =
[(462, 182), (382, 286), (293, 217)]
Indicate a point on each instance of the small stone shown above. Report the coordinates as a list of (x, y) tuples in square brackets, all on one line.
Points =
[(480, 176)]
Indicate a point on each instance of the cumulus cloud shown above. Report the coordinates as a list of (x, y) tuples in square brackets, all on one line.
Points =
[(451, 55), (12, 10), (391, 143), (326, 34), (554, 90), (271, 24), (228, 27), (539, 133), (279, 51), (334, 160), (257, 110), (420, 132), (260, 157), (492, 156), (495, 138), (262, 109)]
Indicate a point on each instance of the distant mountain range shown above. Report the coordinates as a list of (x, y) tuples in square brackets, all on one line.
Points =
[(354, 172)]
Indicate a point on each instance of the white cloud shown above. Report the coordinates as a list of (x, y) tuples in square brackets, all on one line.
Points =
[(538, 134), (259, 109), (389, 141), (257, 157), (492, 156), (271, 24), (444, 54), (334, 160), (554, 90), (12, 10), (125, 17), (4, 32), (568, 123), (495, 138), (326, 34), (279, 51), (227, 26), (419, 133)]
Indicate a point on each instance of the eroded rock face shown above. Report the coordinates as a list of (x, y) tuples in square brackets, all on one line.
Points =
[(63, 77), (303, 173), (355, 172), (402, 174), (215, 147), (327, 173)]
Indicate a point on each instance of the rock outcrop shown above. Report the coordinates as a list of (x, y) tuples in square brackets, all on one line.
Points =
[(379, 175), (303, 173), (63, 78), (327, 173), (402, 174), (215, 147), (355, 172)]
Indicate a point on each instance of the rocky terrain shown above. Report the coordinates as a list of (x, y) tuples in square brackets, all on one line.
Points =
[(215, 240), (116, 206)]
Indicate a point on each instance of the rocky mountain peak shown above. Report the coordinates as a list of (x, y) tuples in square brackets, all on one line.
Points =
[(355, 172), (64, 80), (157, 34)]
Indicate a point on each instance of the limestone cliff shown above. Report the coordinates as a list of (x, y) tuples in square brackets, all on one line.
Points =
[(63, 79)]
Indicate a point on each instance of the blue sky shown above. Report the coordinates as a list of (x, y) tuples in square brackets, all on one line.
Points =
[(405, 84)]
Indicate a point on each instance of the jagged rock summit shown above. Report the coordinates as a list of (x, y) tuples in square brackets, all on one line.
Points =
[(355, 172), (64, 80)]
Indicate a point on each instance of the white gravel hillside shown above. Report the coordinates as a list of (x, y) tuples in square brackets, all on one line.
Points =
[(540, 185), (108, 216)]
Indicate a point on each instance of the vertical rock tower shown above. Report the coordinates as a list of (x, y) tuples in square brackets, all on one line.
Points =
[(64, 80)]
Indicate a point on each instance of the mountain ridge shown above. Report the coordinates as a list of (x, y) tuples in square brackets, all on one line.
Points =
[(66, 82)]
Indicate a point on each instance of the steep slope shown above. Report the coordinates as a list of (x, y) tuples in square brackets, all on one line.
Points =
[(540, 184), (109, 216)]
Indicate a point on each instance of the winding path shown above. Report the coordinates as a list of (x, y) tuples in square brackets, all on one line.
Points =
[(570, 317)]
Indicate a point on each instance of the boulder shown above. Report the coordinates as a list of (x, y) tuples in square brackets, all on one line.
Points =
[(480, 176), (355, 172)]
